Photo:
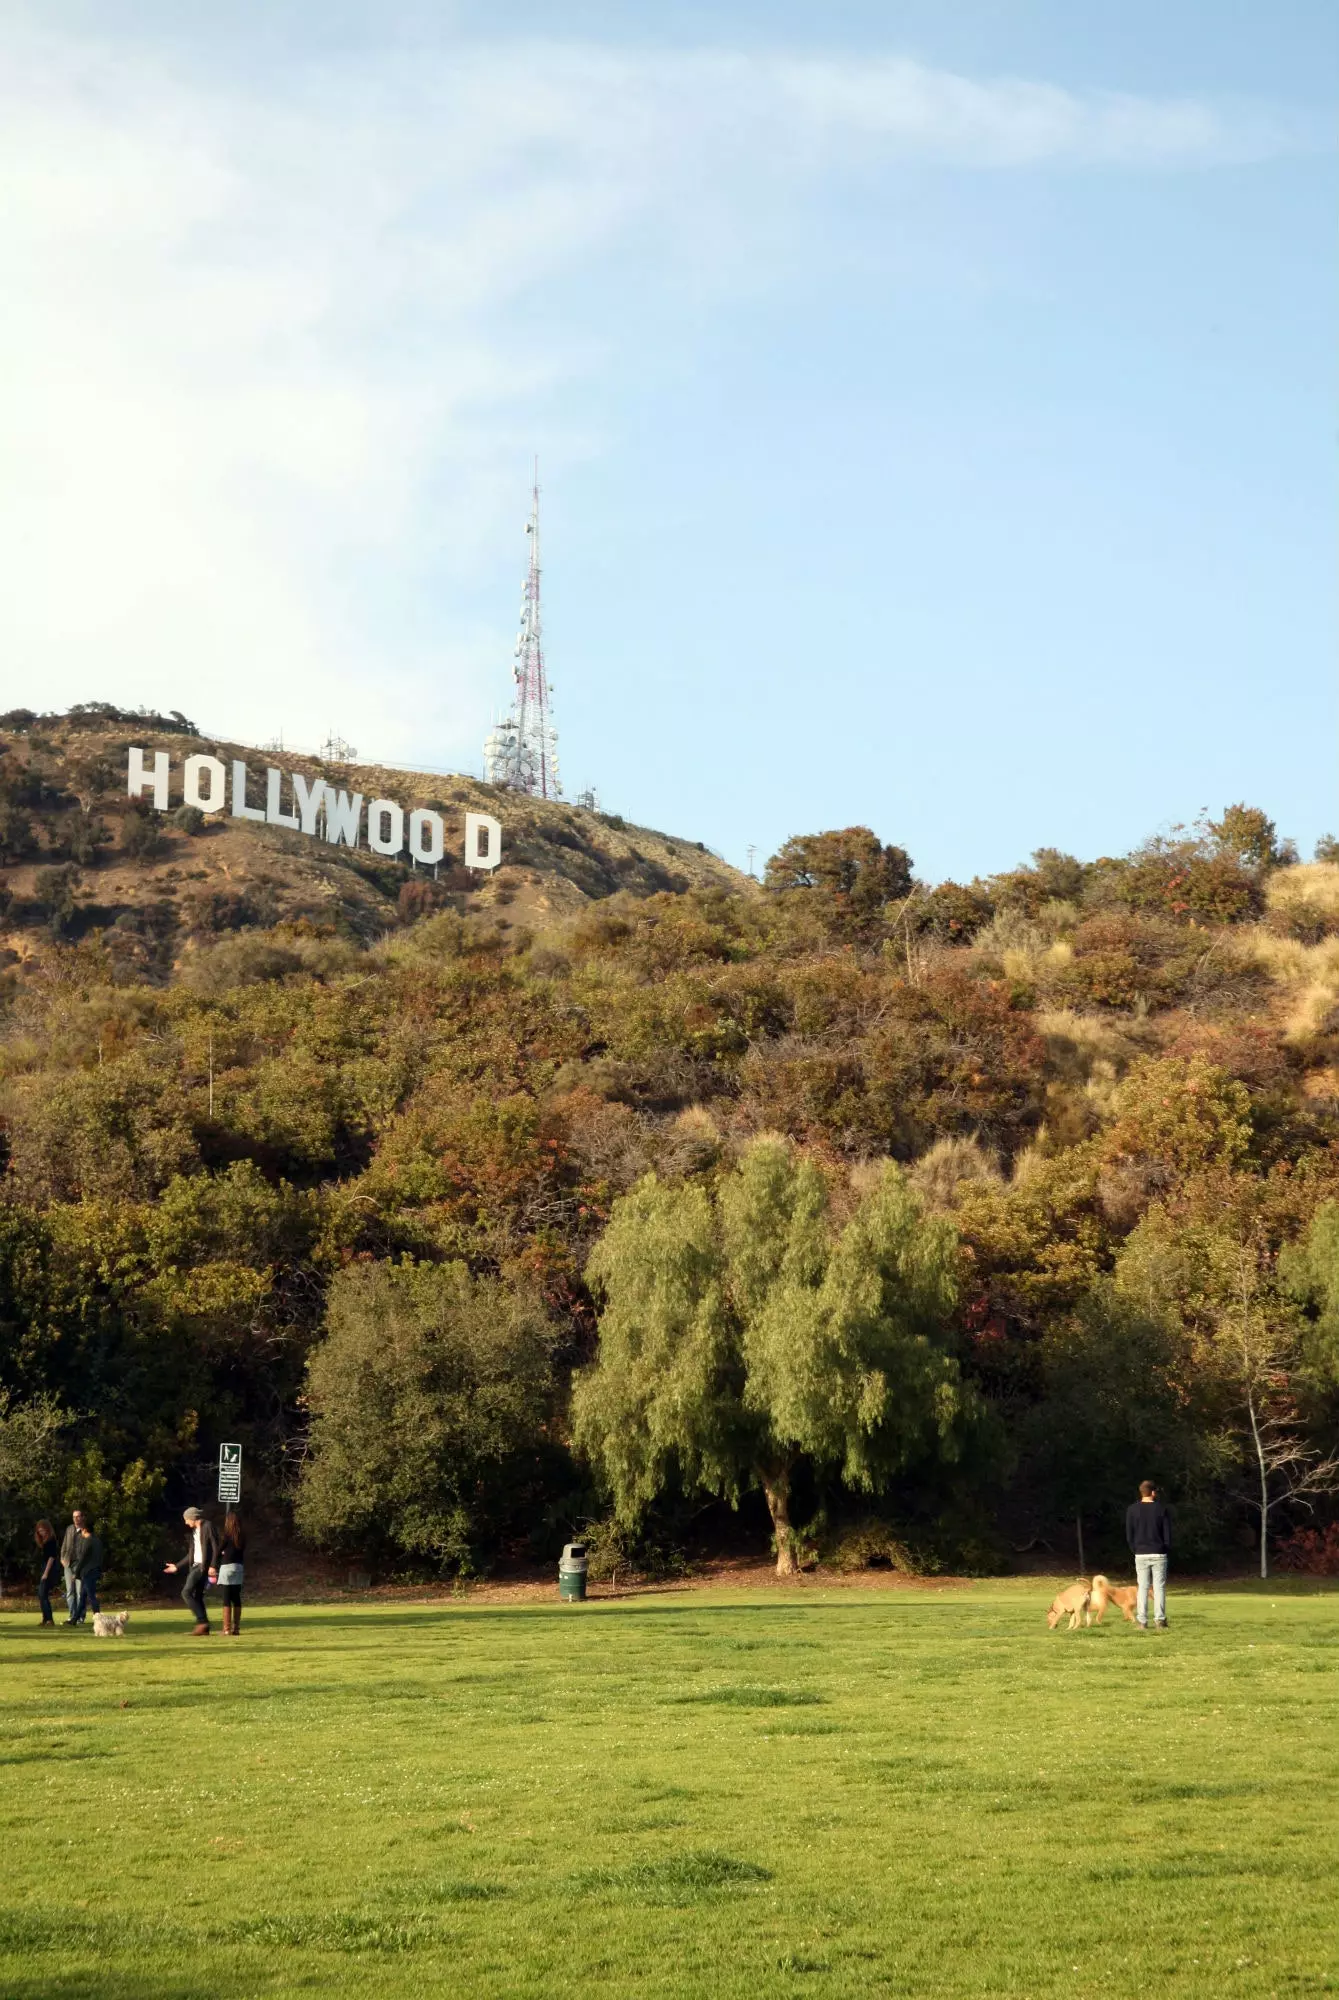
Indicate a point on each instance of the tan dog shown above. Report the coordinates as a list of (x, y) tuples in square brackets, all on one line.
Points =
[(1105, 1592), (110, 1624), (1074, 1602)]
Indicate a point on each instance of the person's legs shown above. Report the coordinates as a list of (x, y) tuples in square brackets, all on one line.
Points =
[(1143, 1576), (71, 1593), (91, 1591), (193, 1595), (1159, 1567), (232, 1609), (80, 1602), (44, 1600)]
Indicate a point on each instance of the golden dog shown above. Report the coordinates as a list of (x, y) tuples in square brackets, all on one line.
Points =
[(1105, 1592), (1075, 1602)]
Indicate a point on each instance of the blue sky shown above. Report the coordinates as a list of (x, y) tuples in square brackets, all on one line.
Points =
[(935, 405)]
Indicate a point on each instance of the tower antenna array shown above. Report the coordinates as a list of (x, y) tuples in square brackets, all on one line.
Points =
[(521, 753)]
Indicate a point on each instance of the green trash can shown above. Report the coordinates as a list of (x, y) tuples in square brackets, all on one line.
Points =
[(572, 1574)]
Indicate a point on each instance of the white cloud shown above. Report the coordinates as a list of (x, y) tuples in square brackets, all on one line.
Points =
[(258, 380)]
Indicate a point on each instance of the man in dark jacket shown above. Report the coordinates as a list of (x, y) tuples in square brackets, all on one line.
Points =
[(1148, 1530), (200, 1562), (81, 1554)]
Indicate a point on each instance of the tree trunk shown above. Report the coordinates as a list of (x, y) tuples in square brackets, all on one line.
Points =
[(1264, 1485), (1078, 1523), (776, 1485)]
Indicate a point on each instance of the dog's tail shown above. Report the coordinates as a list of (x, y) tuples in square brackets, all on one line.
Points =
[(1100, 1583)]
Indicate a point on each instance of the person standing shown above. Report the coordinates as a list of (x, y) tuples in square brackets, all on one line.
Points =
[(232, 1553), (68, 1541), (48, 1568), (201, 1566), (1148, 1530), (85, 1570)]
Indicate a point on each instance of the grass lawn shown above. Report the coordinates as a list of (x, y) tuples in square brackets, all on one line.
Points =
[(725, 1793)]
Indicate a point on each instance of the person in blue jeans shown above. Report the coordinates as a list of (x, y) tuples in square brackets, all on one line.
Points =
[(1148, 1530), (85, 1568), (48, 1569)]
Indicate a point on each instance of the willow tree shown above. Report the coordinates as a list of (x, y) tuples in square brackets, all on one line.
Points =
[(745, 1330)]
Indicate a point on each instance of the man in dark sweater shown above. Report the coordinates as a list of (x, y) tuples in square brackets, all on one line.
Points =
[(1148, 1530)]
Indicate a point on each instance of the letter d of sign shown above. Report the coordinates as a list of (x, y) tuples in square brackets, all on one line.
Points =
[(138, 780), (205, 783), (427, 836), (483, 841)]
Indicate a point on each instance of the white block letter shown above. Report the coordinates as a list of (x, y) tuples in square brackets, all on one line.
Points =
[(193, 791), (427, 836), (385, 813), (274, 812), (483, 841), (342, 815), (138, 780), (308, 797), (240, 808)]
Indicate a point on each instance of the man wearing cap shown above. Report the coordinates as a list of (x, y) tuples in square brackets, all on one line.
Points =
[(200, 1562)]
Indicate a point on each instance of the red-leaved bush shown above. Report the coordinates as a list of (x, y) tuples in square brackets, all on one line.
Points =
[(1313, 1551)]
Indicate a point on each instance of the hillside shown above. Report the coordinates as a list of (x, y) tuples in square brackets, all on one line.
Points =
[(158, 898), (621, 1185)]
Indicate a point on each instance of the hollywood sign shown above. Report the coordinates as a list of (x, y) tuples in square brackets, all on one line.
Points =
[(315, 808)]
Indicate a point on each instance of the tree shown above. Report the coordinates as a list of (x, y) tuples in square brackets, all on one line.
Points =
[(1310, 1272), (1250, 838), (1260, 1344), (430, 1400), (853, 873), (28, 1434), (1214, 1274), (744, 1332)]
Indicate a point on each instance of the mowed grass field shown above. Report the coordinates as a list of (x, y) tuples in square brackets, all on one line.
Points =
[(909, 1791)]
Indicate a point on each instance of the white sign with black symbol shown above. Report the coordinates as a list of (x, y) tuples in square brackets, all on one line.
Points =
[(230, 1472)]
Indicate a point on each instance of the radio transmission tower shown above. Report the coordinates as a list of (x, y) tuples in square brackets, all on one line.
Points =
[(522, 751)]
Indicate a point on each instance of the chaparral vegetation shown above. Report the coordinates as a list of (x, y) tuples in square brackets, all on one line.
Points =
[(843, 1213)]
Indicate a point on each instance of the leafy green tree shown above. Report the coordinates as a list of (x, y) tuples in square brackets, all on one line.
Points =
[(1250, 838), (744, 1332), (431, 1400), (17, 840), (1309, 1271), (853, 873), (1180, 1114)]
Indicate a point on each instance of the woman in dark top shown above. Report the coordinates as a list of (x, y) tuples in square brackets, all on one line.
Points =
[(48, 1567), (232, 1551)]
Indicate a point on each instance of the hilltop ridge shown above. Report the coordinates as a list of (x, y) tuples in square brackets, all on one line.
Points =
[(80, 855)]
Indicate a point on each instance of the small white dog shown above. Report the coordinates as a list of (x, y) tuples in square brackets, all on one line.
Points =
[(110, 1624)]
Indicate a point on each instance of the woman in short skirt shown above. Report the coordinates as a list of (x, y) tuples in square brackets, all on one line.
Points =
[(232, 1551)]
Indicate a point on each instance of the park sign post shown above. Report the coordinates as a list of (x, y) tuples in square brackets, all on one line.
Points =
[(314, 807), (230, 1474)]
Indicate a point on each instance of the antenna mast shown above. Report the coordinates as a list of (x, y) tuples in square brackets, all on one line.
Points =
[(521, 753)]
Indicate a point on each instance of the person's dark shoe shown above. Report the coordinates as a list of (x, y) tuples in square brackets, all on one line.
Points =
[(1161, 1625)]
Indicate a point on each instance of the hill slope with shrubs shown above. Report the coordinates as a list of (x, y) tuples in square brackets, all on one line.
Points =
[(915, 1221)]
